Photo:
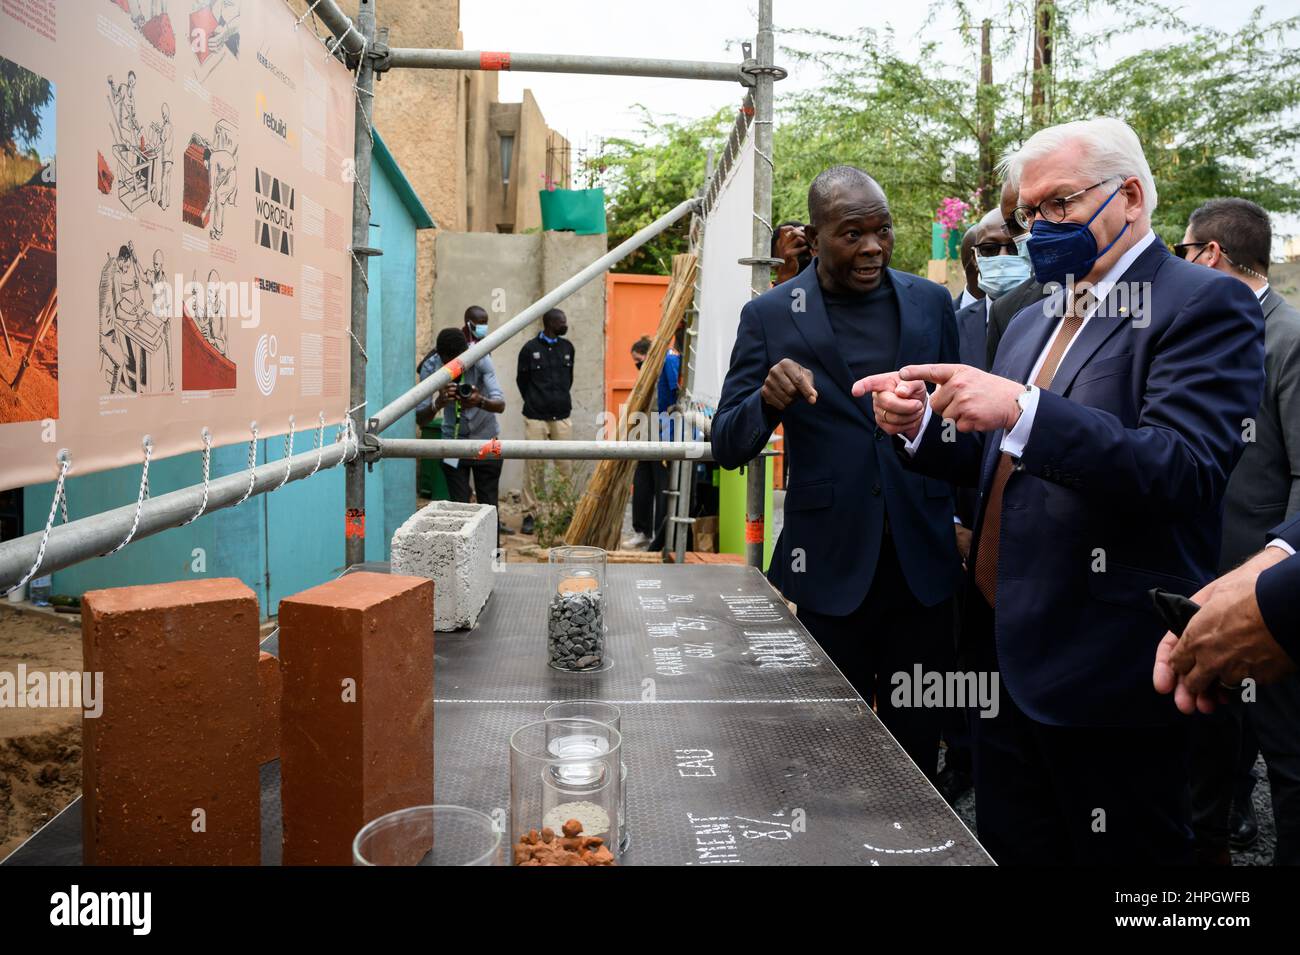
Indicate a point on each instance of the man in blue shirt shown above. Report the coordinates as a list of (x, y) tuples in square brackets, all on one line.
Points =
[(469, 410), (649, 506)]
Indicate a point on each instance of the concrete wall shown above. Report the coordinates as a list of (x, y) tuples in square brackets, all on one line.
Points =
[(1285, 277), (505, 274)]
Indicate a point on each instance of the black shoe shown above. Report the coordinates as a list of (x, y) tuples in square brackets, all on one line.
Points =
[(527, 526), (953, 784), (1243, 825)]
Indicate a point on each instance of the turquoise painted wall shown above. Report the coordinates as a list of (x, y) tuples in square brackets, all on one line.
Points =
[(291, 539)]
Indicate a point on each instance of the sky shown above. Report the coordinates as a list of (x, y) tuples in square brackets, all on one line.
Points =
[(586, 108)]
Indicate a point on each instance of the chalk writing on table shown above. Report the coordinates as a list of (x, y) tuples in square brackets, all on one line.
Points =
[(696, 763)]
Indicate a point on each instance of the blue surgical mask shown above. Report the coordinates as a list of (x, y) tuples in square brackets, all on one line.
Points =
[(999, 274), (480, 331), (1062, 249)]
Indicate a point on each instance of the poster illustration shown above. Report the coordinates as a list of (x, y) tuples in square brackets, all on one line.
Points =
[(202, 274), (29, 306)]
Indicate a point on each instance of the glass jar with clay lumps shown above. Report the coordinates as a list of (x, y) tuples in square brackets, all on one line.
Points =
[(575, 614)]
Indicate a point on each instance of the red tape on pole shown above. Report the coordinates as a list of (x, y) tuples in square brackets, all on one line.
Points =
[(493, 61), (354, 523), (754, 531), (454, 368), (490, 449)]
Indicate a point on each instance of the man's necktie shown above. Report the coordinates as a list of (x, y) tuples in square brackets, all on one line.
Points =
[(986, 559)]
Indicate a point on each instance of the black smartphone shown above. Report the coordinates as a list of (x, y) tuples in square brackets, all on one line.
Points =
[(1175, 609)]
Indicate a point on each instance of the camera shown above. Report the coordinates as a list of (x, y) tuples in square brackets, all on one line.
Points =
[(464, 391)]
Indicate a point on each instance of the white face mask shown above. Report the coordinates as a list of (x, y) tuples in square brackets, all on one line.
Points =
[(999, 274)]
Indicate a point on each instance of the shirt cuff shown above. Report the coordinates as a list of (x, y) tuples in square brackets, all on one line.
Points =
[(1280, 544), (1014, 441), (910, 446)]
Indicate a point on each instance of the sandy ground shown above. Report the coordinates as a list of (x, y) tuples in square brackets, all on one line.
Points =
[(40, 749)]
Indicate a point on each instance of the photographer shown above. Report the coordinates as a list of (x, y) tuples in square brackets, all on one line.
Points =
[(469, 410)]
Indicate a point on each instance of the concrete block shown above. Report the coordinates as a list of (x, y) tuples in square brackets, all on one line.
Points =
[(356, 717), (451, 544), (170, 768)]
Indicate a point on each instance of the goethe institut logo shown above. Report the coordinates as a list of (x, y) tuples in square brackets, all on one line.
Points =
[(268, 364), (273, 223)]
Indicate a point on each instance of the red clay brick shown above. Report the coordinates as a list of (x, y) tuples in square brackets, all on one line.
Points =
[(344, 763), (268, 678), (179, 730)]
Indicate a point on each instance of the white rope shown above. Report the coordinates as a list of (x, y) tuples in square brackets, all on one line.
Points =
[(361, 273), (60, 498), (311, 12), (207, 474), (252, 465), (140, 499), (360, 347), (348, 435), (288, 455), (319, 441)]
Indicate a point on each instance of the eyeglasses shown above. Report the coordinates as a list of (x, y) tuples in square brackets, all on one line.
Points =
[(1053, 210), (1182, 248), (988, 250)]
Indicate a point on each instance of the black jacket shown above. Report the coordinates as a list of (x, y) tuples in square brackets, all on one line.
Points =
[(545, 378)]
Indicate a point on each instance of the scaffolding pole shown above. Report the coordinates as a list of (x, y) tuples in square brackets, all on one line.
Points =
[(56, 548), (354, 534), (764, 76), (566, 63), (98, 534), (394, 410), (471, 450)]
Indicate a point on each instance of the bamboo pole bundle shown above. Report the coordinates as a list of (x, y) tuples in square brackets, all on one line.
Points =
[(598, 518)]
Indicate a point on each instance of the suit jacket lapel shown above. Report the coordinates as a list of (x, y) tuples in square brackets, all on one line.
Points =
[(1126, 302), (913, 333), (1270, 303), (815, 327)]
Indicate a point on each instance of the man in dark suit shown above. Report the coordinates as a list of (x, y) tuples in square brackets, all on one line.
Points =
[(1028, 292), (867, 551), (1101, 443), (971, 291), (1234, 236)]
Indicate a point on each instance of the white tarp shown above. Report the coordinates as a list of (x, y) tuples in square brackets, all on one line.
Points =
[(724, 282)]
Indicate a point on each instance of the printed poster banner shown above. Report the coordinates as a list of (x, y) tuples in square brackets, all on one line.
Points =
[(725, 284), (175, 209)]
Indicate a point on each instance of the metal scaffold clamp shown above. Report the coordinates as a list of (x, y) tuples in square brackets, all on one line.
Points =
[(371, 447), (751, 69), (381, 54)]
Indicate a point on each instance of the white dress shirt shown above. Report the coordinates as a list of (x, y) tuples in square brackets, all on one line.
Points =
[(1014, 441), (966, 298)]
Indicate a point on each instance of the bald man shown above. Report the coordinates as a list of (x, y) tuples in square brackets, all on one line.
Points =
[(867, 551), (1028, 292)]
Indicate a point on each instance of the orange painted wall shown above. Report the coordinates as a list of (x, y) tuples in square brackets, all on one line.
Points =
[(632, 307)]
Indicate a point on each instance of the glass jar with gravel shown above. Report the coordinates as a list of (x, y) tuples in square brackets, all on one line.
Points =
[(575, 614)]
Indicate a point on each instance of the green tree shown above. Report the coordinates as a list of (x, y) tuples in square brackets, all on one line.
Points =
[(22, 95), (646, 176), (1215, 111)]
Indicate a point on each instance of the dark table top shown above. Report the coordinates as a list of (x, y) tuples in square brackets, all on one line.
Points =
[(744, 743)]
